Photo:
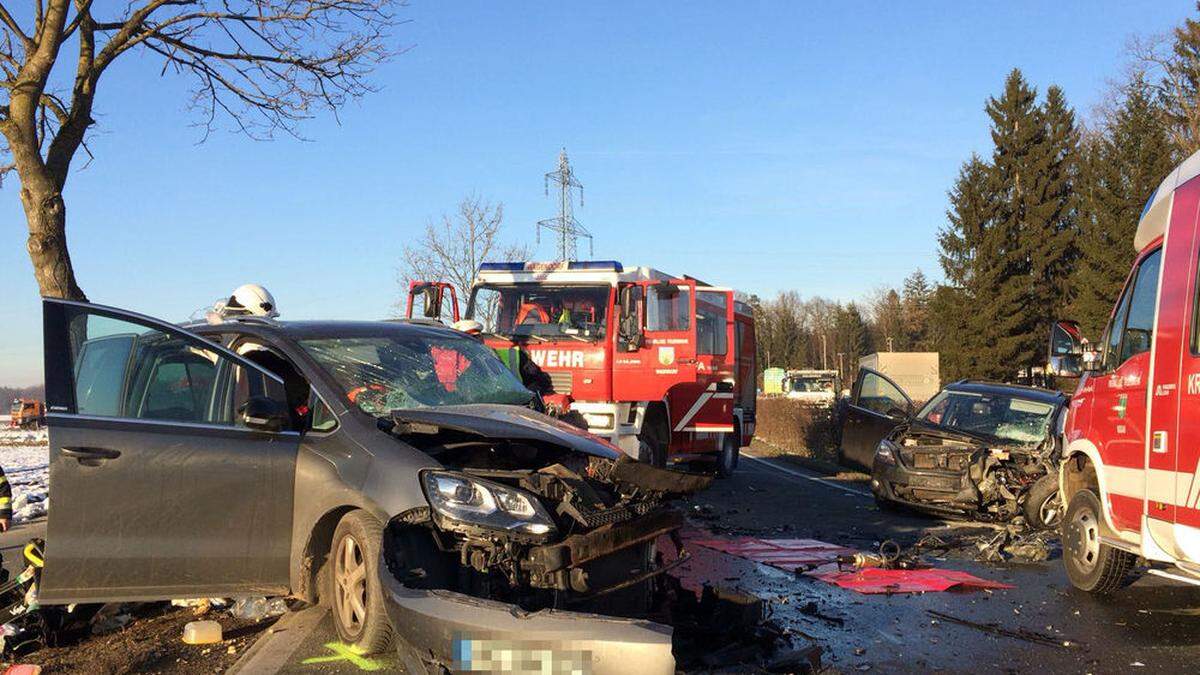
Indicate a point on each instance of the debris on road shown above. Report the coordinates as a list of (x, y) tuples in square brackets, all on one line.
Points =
[(255, 609), (824, 561), (202, 632), (1013, 543), (1015, 633)]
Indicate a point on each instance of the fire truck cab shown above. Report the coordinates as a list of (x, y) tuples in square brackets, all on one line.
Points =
[(661, 366), (1129, 478)]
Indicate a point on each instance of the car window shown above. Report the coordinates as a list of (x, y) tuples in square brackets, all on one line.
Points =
[(1139, 328), (323, 418), (132, 370), (878, 395)]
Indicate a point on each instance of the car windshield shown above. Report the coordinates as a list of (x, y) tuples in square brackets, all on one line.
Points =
[(545, 312), (813, 384), (1009, 418), (16, 407), (410, 370)]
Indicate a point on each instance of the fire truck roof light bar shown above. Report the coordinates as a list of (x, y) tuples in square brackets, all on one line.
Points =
[(609, 265)]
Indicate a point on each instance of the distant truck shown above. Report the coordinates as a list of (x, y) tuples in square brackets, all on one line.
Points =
[(816, 388), (914, 372), (26, 413)]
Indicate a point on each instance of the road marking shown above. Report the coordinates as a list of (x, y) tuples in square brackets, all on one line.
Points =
[(807, 476), (344, 652)]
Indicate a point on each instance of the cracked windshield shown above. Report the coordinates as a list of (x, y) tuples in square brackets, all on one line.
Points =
[(390, 372), (1004, 417), (543, 313)]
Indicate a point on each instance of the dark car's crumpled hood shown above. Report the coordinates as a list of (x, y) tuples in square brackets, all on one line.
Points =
[(507, 421), (915, 425)]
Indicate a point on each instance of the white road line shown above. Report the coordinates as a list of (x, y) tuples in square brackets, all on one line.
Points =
[(807, 476)]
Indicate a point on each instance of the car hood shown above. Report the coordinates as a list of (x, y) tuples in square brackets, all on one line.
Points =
[(503, 421)]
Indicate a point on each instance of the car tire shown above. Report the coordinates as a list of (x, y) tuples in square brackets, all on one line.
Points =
[(352, 588), (1042, 507), (727, 457), (1091, 565)]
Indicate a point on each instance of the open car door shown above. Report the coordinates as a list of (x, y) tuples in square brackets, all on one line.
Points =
[(170, 463), (876, 406), (656, 339), (429, 300)]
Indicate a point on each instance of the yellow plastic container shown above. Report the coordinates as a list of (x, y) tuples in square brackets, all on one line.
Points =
[(202, 632)]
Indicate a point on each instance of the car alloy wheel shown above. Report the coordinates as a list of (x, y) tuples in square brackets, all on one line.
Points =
[(1050, 511), (350, 585)]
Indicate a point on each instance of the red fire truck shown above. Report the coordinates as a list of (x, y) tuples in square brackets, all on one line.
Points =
[(1130, 477), (662, 366)]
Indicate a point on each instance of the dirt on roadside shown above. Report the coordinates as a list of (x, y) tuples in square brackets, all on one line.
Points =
[(152, 642)]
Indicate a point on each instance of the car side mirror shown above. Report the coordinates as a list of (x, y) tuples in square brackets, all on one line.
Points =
[(263, 414)]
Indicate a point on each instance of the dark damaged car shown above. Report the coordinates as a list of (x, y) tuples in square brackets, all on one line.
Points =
[(397, 472), (979, 450)]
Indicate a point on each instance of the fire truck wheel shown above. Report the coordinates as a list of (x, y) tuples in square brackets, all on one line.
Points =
[(1091, 565), (727, 461)]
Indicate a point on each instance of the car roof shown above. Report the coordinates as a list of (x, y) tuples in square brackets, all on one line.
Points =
[(316, 330), (1017, 390)]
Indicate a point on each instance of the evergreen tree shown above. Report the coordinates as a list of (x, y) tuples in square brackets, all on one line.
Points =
[(853, 338), (968, 216), (1123, 163), (915, 306), (1008, 315)]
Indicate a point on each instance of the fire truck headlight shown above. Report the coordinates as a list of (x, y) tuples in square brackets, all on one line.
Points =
[(599, 421)]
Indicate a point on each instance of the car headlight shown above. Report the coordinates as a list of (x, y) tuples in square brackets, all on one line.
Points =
[(460, 502), (885, 452)]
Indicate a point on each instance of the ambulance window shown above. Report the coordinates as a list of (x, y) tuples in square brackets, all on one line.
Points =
[(1139, 329), (1112, 337)]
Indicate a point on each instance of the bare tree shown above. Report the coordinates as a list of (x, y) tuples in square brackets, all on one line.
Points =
[(1174, 60), (451, 249), (264, 65)]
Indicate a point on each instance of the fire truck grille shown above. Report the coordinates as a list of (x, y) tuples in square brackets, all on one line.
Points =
[(561, 381)]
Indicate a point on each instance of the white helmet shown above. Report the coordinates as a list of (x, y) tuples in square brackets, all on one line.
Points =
[(251, 300), (468, 326)]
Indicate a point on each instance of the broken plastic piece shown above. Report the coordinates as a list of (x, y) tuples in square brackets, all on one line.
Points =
[(202, 632), (874, 580)]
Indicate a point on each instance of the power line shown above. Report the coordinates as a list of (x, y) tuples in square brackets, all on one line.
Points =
[(569, 230)]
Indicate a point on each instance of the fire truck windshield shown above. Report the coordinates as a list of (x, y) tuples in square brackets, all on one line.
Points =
[(541, 312)]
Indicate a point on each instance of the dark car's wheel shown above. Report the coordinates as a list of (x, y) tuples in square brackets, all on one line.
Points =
[(1091, 565), (727, 460), (1043, 508), (353, 590)]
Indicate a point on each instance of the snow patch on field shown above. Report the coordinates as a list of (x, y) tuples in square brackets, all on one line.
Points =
[(25, 457)]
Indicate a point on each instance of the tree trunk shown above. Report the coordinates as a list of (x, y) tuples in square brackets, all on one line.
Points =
[(46, 214)]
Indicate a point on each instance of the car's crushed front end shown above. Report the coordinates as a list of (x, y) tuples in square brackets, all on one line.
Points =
[(950, 472), (537, 538)]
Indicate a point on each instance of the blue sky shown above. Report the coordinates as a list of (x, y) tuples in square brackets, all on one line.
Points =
[(762, 145)]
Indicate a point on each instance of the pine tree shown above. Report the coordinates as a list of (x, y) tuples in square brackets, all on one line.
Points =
[(968, 216), (1123, 163), (853, 338), (915, 305)]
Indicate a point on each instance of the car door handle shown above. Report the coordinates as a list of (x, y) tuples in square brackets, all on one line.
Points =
[(91, 456)]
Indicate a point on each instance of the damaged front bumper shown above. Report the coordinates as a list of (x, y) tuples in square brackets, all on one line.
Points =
[(464, 633), (939, 492)]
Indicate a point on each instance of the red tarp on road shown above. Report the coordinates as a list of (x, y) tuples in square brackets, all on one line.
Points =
[(819, 560)]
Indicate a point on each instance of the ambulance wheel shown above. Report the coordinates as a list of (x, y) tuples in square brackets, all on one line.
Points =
[(352, 588), (1091, 565), (727, 459)]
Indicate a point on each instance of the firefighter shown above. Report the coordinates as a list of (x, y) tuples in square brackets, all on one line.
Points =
[(5, 502)]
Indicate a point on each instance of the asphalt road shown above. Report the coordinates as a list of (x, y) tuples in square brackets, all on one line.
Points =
[(1152, 626)]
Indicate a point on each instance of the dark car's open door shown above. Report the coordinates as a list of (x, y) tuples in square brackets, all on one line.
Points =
[(876, 405), (171, 473)]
